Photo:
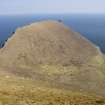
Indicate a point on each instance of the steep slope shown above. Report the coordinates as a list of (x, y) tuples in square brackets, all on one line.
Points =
[(52, 61), (47, 42)]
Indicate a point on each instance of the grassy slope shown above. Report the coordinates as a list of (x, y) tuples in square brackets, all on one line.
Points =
[(19, 87), (16, 90), (33, 87)]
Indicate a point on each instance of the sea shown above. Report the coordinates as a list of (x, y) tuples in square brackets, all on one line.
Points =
[(91, 26)]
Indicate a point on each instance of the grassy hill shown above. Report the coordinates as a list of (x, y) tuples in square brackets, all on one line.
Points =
[(16, 90), (47, 42), (46, 63)]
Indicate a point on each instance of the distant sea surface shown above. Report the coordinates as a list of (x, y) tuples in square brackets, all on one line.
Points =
[(90, 26)]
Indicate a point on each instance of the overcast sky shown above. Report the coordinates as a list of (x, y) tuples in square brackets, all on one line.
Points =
[(51, 6)]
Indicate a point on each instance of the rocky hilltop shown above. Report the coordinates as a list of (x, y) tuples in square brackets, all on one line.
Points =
[(46, 63)]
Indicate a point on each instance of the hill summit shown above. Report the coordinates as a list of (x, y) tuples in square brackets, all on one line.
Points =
[(47, 42)]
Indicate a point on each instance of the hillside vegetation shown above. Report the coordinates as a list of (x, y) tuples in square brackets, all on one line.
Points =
[(46, 63), (16, 90)]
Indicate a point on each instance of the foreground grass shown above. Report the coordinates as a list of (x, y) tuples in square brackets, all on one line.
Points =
[(19, 91), (44, 96)]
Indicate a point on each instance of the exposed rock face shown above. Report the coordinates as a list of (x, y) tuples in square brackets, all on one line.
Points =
[(47, 42)]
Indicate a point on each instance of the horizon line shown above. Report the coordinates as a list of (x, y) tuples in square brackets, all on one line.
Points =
[(53, 13)]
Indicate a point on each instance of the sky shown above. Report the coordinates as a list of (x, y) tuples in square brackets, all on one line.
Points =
[(51, 6)]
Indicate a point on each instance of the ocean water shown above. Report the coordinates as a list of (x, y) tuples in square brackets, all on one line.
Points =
[(90, 26)]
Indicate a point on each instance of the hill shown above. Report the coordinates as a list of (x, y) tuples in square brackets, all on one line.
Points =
[(47, 42), (50, 58)]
